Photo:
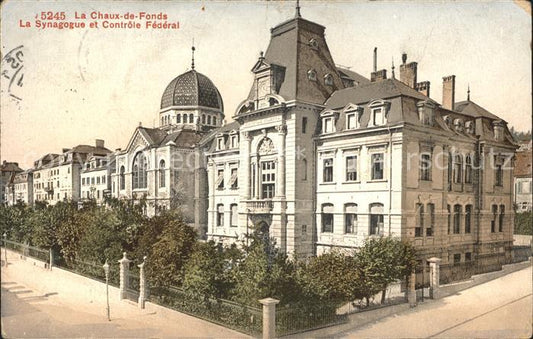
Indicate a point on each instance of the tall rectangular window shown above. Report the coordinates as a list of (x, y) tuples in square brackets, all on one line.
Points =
[(304, 125), (328, 170), (350, 218), (268, 179), (425, 167), (419, 227), (498, 175), (457, 209), (468, 169), (327, 218), (377, 166), (502, 218), (233, 181), (220, 215), (220, 179), (494, 217), (376, 219), (468, 218), (431, 225), (458, 169), (351, 168), (234, 215)]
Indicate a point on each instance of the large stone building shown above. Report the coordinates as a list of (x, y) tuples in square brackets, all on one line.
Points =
[(21, 188), (164, 165), (319, 158), (95, 177)]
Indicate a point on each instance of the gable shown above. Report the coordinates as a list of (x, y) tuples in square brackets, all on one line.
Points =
[(137, 139)]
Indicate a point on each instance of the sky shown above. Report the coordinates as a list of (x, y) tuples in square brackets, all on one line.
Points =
[(93, 83)]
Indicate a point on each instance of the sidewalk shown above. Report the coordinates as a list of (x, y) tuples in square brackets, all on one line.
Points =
[(36, 304), (500, 308)]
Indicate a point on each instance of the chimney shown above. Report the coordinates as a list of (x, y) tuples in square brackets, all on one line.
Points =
[(448, 92), (408, 72), (378, 75), (375, 59), (99, 143), (423, 87)]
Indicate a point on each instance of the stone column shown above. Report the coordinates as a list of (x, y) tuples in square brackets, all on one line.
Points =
[(434, 276), (257, 178), (247, 139), (124, 278), (280, 191), (269, 317), (142, 284), (411, 290)]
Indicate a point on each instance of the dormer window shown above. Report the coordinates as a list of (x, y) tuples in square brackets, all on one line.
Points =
[(328, 125), (458, 125), (311, 75), (378, 112), (313, 43), (352, 119), (447, 120), (234, 141), (328, 80), (498, 130), (469, 127), (426, 113), (377, 116), (220, 143)]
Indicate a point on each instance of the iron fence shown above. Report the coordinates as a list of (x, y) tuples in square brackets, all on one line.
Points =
[(236, 316), (28, 251), (92, 270), (294, 319)]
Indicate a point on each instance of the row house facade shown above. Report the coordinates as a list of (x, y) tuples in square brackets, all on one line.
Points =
[(57, 177), (21, 188), (523, 179), (8, 171), (95, 177)]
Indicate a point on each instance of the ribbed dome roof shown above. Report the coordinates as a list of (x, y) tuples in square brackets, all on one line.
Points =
[(192, 89)]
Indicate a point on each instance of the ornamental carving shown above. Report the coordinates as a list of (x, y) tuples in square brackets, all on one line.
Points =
[(266, 147)]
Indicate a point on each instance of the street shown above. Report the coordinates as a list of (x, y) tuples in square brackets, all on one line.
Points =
[(500, 308)]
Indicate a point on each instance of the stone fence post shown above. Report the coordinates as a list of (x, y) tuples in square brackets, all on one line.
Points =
[(434, 276), (124, 275), (51, 259), (269, 317), (142, 284), (411, 290)]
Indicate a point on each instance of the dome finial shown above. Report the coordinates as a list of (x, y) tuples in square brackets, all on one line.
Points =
[(193, 49), (468, 93), (298, 14)]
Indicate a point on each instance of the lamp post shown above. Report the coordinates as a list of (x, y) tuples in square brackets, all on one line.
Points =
[(106, 270), (5, 246)]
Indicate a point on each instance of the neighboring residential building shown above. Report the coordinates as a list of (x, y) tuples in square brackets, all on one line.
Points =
[(8, 170), (95, 177), (164, 165), (21, 188), (522, 178), (56, 177)]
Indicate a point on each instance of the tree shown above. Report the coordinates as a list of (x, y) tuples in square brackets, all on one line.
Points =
[(265, 272), (207, 273), (170, 250), (332, 277), (382, 261)]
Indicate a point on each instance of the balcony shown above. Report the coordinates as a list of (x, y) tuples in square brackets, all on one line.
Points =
[(259, 206)]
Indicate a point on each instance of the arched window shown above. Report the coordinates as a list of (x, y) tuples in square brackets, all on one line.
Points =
[(220, 215), (209, 120), (419, 227), (122, 182), (376, 218), (328, 80), (191, 118), (139, 176), (304, 169), (178, 118), (214, 121), (311, 75), (457, 211), (162, 173), (184, 118), (203, 118)]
